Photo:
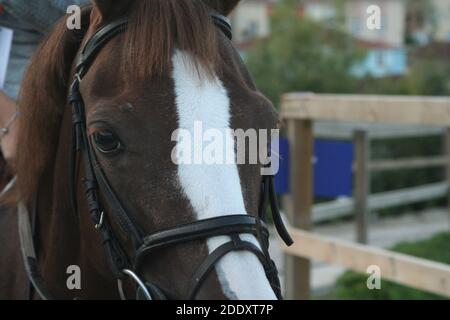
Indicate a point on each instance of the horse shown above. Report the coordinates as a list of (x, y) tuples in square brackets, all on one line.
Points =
[(104, 211)]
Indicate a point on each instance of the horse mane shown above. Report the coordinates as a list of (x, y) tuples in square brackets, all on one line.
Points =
[(42, 100), (155, 29)]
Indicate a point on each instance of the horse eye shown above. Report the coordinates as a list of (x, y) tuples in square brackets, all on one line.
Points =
[(106, 141)]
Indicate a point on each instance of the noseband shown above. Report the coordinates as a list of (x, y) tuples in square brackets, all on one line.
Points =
[(96, 182)]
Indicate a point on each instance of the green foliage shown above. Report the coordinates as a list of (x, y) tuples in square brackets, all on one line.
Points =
[(429, 78), (302, 55), (405, 178), (352, 285), (405, 148), (425, 77)]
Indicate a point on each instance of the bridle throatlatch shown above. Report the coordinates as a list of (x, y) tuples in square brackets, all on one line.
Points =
[(95, 181)]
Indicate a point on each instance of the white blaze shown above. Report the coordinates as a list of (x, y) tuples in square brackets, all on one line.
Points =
[(215, 190)]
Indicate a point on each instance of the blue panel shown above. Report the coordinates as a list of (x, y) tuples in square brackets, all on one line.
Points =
[(282, 177), (333, 168)]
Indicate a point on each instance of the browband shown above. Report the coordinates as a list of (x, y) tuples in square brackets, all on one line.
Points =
[(102, 36)]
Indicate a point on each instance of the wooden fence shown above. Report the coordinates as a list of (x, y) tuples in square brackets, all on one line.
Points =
[(299, 112), (419, 273)]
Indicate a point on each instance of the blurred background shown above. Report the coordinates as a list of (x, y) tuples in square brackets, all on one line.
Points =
[(383, 185), (293, 45)]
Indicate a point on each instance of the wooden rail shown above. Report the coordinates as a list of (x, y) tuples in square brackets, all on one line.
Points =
[(400, 268), (433, 111), (343, 207), (376, 131), (402, 164)]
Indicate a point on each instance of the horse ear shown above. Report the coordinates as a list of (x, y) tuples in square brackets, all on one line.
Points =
[(223, 6), (110, 9)]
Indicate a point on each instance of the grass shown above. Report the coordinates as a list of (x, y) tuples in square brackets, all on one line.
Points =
[(352, 285)]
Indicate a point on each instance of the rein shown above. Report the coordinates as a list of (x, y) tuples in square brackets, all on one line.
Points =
[(95, 181)]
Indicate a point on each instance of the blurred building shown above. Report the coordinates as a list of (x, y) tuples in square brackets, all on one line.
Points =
[(386, 48), (251, 20), (382, 61), (386, 53), (442, 20), (392, 27), (318, 10)]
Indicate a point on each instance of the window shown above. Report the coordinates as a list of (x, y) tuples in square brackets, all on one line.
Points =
[(252, 30)]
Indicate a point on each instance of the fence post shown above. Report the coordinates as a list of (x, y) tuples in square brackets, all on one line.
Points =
[(447, 167), (362, 185), (299, 206)]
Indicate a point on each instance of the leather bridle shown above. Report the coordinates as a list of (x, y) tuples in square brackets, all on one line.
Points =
[(96, 182)]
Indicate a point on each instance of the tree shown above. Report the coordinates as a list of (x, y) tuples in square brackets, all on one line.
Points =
[(304, 55)]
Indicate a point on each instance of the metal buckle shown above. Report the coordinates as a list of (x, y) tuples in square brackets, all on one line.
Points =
[(8, 187), (77, 77), (138, 281), (100, 222)]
